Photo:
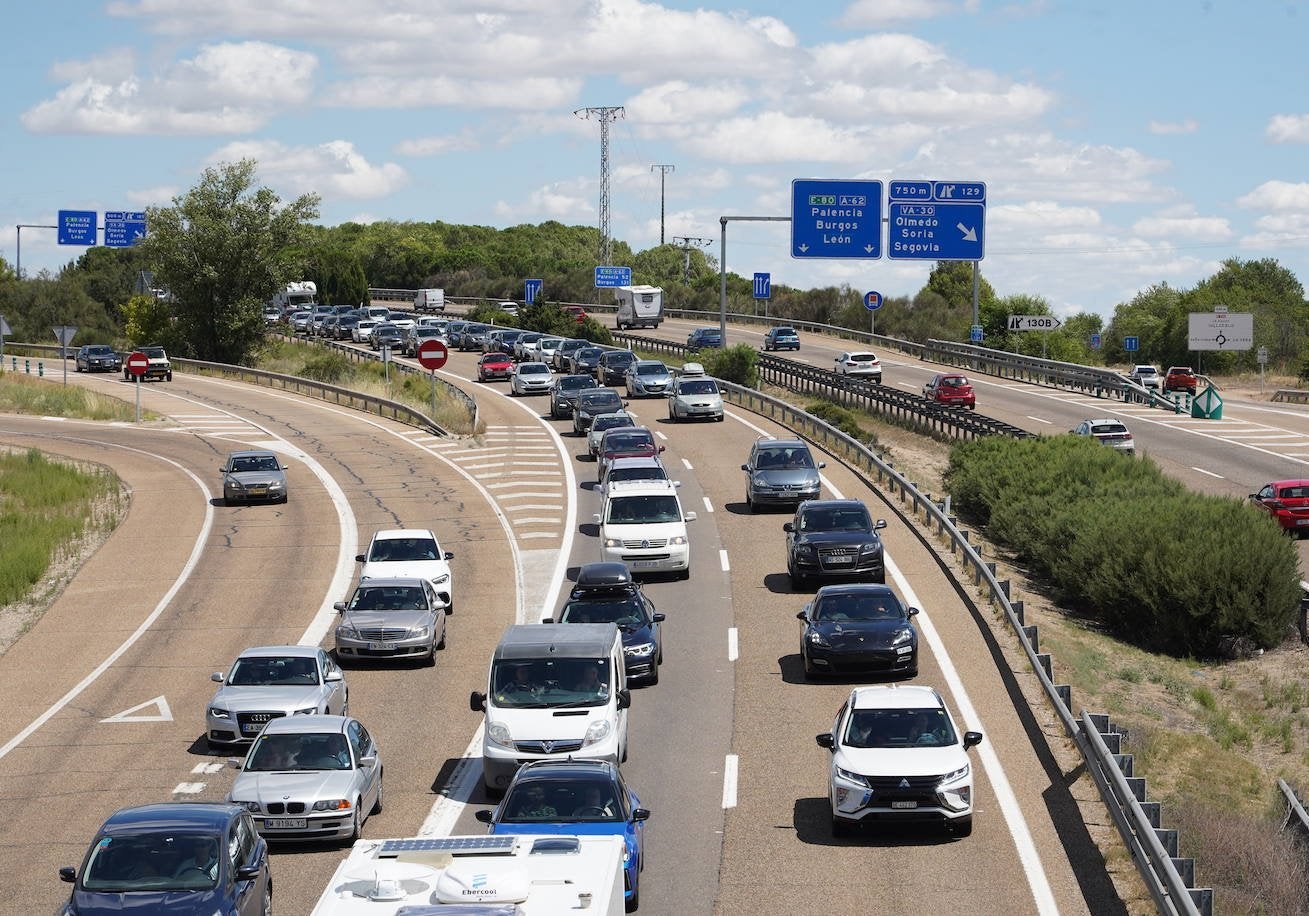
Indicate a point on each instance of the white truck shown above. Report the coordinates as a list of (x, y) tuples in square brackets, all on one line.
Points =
[(429, 300), (487, 875), (300, 294), (639, 306)]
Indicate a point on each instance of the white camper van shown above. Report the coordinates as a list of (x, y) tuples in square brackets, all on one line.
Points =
[(302, 294), (429, 300), (639, 306), (521, 875), (555, 690)]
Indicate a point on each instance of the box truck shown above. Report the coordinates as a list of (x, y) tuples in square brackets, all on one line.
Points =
[(639, 307)]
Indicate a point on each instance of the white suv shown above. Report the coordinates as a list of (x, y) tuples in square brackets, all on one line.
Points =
[(897, 756), (409, 553), (643, 526)]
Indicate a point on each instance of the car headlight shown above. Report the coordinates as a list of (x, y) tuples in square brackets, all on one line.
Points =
[(498, 733), (855, 778), (598, 731), (902, 636), (613, 542), (760, 480), (346, 632), (640, 651), (961, 773), (332, 804), (441, 579), (277, 485), (806, 550), (870, 548), (235, 484), (418, 632), (251, 806), (677, 539), (305, 712), (818, 639), (219, 713)]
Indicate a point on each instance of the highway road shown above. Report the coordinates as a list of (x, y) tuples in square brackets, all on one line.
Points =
[(722, 748)]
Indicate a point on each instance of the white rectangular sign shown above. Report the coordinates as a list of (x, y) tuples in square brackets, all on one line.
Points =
[(1033, 322), (1220, 331)]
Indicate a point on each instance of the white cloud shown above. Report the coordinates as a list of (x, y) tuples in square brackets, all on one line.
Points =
[(877, 13), (434, 146), (1039, 217), (777, 137), (566, 201), (1164, 128), (225, 88), (525, 94), (678, 102), (160, 196), (1277, 195), (333, 169), (1188, 227), (1288, 129)]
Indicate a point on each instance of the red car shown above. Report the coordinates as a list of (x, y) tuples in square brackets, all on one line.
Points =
[(1287, 501), (577, 312), (951, 389), (1180, 378), (625, 442), (494, 365)]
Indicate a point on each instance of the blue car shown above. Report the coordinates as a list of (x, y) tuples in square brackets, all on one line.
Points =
[(575, 797), (173, 858), (704, 338), (607, 593)]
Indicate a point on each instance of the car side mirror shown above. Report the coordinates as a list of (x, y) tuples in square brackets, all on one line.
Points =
[(745, 467), (368, 760), (359, 558), (677, 483), (913, 612), (881, 523), (624, 699), (689, 517), (825, 740), (340, 607), (485, 815), (477, 702), (449, 555), (235, 762), (334, 676), (788, 527), (222, 470), (248, 872), (68, 874), (216, 677), (640, 814), (971, 739), (662, 448), (802, 616), (821, 465), (659, 617), (596, 517)]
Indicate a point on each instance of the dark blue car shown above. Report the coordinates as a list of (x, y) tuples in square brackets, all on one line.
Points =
[(607, 593), (704, 338), (576, 797), (858, 629), (173, 858)]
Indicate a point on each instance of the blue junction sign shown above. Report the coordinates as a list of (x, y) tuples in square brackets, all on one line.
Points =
[(872, 300), (936, 220), (763, 284), (532, 289), (124, 229), (77, 227), (613, 276), (836, 218), (1131, 344)]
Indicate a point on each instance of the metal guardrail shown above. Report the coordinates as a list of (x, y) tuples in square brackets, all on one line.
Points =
[(383, 407), (1296, 816), (1291, 395)]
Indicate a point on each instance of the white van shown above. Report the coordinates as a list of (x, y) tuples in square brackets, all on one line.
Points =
[(639, 307), (554, 691), (642, 525), (429, 300)]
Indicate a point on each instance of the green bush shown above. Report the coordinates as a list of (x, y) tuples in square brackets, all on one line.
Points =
[(1165, 568), (738, 364), (592, 330), (490, 313), (843, 419), (326, 367)]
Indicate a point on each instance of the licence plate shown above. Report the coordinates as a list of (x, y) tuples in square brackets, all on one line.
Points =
[(257, 491), (286, 823), (252, 728), (643, 564), (1302, 521), (836, 561), (904, 804), (379, 647)]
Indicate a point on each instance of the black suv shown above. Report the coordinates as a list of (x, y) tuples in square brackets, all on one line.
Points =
[(834, 537), (564, 393), (612, 369), (592, 402), (606, 593), (97, 358)]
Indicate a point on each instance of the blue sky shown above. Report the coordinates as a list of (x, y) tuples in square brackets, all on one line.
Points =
[(1122, 143)]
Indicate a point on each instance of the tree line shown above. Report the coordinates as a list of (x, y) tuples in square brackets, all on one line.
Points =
[(226, 246)]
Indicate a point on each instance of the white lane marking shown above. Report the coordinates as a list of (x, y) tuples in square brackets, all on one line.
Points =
[(1041, 420), (529, 535), (729, 781), (688, 465), (733, 647), (708, 506), (514, 483), (206, 769), (189, 788), (533, 520), (533, 494), (722, 559), (161, 712), (1210, 473), (189, 567), (661, 435), (1004, 794), (530, 506)]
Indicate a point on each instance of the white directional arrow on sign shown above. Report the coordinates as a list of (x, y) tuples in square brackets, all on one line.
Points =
[(970, 234), (162, 714)]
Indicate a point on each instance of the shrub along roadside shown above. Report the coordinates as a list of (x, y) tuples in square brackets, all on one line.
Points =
[(737, 364), (1164, 568)]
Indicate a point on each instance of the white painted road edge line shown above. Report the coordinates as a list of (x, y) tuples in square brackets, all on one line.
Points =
[(722, 558), (729, 781), (688, 465), (1210, 473), (733, 649), (1041, 420), (708, 506)]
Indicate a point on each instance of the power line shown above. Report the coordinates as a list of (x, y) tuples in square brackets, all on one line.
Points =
[(663, 172), (604, 114), (688, 242)]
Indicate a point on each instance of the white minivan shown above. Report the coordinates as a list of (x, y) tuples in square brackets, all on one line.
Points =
[(555, 691), (642, 525), (429, 300)]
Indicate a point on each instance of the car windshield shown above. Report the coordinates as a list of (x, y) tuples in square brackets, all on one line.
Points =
[(99, 351), (386, 329), (1299, 491), (954, 381), (862, 358), (390, 550), (639, 473), (549, 343), (652, 369), (154, 352), (388, 598), (857, 607), (626, 611), (568, 346), (495, 356), (289, 752), (609, 402), (571, 800), (273, 671), (589, 353), (427, 330), (784, 332), (625, 441), (255, 463), (699, 386), (155, 861), (1146, 370), (602, 423), (784, 459), (899, 728), (1106, 429), (550, 682), (618, 360), (643, 510), (575, 382), (533, 369), (854, 518)]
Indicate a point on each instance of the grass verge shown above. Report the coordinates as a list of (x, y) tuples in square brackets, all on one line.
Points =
[(45, 397)]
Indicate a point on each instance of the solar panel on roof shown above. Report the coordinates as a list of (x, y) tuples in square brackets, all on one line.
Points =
[(452, 844)]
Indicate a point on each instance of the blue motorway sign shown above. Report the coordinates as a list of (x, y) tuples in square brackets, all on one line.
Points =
[(872, 300), (1131, 344), (77, 227), (124, 229), (613, 276), (936, 220), (836, 218), (763, 284), (532, 289), (976, 335), (1095, 341)]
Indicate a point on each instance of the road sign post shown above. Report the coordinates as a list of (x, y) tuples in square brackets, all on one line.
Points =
[(872, 302), (976, 335), (5, 331), (64, 334), (936, 220), (1261, 355), (136, 365), (836, 218), (432, 354)]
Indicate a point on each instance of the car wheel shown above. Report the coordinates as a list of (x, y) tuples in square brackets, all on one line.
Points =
[(719, 418), (841, 827), (356, 827), (749, 503), (810, 673), (686, 573), (267, 908), (168, 377), (622, 758), (377, 805), (797, 581), (631, 903), (441, 644), (962, 827)]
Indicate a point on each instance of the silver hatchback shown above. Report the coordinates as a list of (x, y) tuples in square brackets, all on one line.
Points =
[(780, 472)]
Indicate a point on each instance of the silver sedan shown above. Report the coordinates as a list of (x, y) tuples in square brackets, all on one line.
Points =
[(267, 682), (311, 778), (391, 618), (252, 476)]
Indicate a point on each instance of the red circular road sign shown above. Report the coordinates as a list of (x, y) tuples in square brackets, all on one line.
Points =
[(432, 354), (138, 363)]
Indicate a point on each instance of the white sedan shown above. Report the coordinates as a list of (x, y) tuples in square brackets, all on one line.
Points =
[(359, 333), (531, 378), (861, 364), (409, 553)]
